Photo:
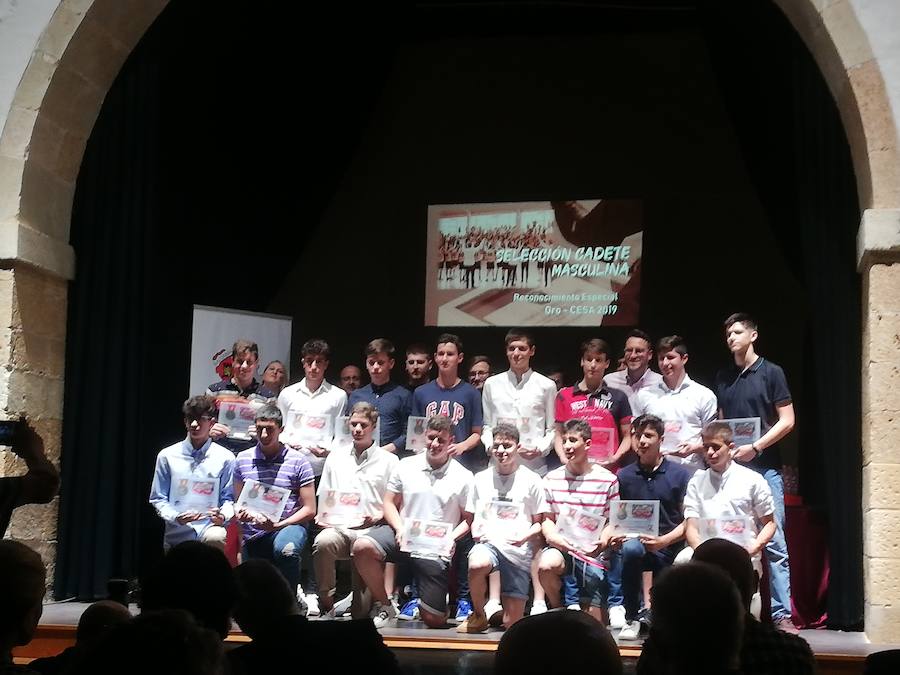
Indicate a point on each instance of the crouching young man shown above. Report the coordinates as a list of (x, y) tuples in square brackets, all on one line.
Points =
[(425, 510), (509, 504), (578, 494)]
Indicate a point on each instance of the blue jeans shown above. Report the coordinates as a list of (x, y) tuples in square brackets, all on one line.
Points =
[(282, 548), (635, 560), (461, 559), (614, 577), (569, 590), (777, 553)]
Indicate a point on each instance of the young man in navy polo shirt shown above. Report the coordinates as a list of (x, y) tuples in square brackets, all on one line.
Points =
[(756, 387), (652, 477), (390, 399)]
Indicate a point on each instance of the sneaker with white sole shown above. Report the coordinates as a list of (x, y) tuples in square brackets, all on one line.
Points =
[(574, 606), (312, 602), (491, 608), (327, 616), (382, 614), (342, 606), (463, 609), (410, 611), (301, 601), (617, 617), (538, 607), (631, 630)]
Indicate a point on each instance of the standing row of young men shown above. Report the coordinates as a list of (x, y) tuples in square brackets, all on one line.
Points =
[(601, 406)]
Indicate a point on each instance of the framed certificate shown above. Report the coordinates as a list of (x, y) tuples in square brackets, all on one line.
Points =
[(672, 430), (632, 517), (194, 494), (268, 500), (744, 430), (428, 538), (415, 434), (579, 526), (739, 529), (238, 415), (311, 429), (603, 445), (500, 521), (341, 509)]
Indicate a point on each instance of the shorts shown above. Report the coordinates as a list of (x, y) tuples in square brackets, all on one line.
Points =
[(514, 581), (431, 574), (590, 580)]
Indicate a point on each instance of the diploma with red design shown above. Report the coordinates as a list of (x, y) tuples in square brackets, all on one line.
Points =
[(341, 509), (428, 538)]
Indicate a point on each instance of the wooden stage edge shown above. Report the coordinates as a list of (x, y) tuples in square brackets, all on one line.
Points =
[(51, 639)]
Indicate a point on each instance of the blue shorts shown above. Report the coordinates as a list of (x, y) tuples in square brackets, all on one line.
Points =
[(515, 582), (593, 587)]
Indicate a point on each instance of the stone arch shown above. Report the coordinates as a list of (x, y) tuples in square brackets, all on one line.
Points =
[(80, 50)]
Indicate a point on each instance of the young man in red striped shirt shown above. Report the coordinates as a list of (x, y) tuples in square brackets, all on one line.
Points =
[(578, 494)]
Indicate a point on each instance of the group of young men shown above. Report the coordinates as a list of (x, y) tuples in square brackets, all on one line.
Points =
[(517, 478)]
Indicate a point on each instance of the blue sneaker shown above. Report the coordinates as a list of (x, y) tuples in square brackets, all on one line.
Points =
[(463, 609), (410, 611)]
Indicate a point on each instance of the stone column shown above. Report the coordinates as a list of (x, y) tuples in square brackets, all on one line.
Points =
[(879, 255), (32, 349)]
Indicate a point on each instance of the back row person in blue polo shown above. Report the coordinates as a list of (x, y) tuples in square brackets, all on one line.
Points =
[(393, 401), (756, 387)]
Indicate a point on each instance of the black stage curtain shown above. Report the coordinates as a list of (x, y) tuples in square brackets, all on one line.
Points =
[(107, 360), (797, 155)]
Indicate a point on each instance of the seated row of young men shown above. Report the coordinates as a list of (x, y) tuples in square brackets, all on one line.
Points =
[(376, 508)]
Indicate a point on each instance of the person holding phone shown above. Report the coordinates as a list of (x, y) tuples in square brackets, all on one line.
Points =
[(39, 485)]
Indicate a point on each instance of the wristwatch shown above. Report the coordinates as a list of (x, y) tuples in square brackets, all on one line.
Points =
[(756, 450)]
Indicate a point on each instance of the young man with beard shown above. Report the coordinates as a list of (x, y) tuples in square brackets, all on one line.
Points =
[(425, 487), (512, 550), (637, 374), (418, 366), (392, 401)]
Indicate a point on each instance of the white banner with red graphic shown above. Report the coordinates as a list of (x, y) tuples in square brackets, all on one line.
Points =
[(215, 331)]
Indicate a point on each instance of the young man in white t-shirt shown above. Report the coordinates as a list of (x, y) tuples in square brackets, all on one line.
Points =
[(362, 471), (424, 487), (514, 496), (577, 492)]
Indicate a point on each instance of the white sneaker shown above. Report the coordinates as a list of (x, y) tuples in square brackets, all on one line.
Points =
[(617, 617), (312, 602), (631, 631), (301, 601), (538, 608), (574, 606), (491, 608), (381, 614), (327, 616), (342, 606)]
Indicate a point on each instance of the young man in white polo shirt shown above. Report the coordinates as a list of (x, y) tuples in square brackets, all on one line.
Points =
[(427, 486), (637, 374), (522, 397), (727, 489), (313, 395), (362, 471), (684, 406), (518, 493)]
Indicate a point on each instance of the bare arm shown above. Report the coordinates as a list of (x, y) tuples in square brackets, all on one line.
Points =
[(307, 499), (41, 483), (691, 533), (765, 535)]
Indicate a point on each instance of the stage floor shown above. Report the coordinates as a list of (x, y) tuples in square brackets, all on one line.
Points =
[(61, 618)]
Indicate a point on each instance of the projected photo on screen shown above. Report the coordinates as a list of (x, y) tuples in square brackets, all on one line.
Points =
[(572, 263)]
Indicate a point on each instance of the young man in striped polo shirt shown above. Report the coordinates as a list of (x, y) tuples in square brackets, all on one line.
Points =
[(272, 463), (578, 491)]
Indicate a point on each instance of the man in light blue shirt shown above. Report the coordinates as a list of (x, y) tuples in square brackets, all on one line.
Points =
[(192, 485)]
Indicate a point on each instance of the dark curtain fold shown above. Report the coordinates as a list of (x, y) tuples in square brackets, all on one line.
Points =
[(106, 357), (798, 158)]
